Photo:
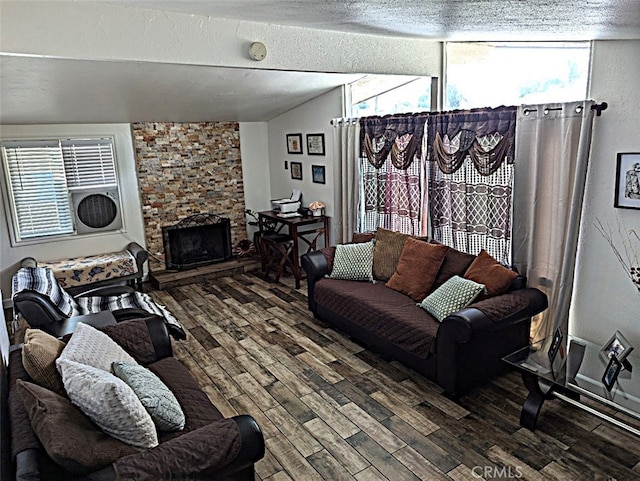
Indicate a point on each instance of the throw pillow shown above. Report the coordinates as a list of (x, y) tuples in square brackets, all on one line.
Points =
[(154, 395), (359, 237), (417, 268), (109, 403), (387, 252), (455, 263), (94, 348), (488, 271), (39, 354), (450, 297), (353, 262), (65, 432)]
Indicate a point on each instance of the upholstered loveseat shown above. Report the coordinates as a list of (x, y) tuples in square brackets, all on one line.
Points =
[(402, 309), (52, 439)]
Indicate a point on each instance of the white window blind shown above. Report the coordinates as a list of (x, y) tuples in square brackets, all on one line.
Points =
[(40, 174), (89, 163), (38, 188)]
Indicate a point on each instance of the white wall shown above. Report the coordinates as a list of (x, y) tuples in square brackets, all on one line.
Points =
[(254, 149), (605, 299), (310, 118), (63, 247)]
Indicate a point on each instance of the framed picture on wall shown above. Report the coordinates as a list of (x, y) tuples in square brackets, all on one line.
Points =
[(628, 181), (294, 143), (296, 170), (317, 174), (315, 144)]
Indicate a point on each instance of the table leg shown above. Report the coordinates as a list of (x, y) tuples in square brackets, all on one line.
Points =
[(296, 258), (535, 400)]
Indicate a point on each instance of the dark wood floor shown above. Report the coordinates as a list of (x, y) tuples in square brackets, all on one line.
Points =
[(330, 409)]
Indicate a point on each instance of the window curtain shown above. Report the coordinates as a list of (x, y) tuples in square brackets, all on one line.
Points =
[(392, 170), (552, 152), (470, 177), (346, 135)]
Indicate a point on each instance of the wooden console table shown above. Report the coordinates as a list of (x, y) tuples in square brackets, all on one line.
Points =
[(301, 229)]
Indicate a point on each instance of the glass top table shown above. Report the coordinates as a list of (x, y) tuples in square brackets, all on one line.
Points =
[(575, 376)]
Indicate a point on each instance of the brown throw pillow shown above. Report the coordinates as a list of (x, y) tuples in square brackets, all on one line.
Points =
[(39, 354), (387, 252), (488, 271), (417, 268), (68, 436), (360, 237), (455, 263)]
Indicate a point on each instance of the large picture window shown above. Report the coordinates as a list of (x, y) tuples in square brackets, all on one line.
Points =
[(40, 176)]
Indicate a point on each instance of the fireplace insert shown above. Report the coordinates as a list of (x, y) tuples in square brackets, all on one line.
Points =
[(198, 240)]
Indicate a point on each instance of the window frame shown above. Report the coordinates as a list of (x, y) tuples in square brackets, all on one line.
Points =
[(8, 194)]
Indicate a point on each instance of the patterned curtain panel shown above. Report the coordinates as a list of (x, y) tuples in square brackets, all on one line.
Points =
[(391, 170), (470, 179)]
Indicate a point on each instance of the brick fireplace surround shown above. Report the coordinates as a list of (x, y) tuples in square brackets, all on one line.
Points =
[(185, 169)]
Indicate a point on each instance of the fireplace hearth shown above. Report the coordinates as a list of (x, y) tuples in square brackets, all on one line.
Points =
[(197, 240)]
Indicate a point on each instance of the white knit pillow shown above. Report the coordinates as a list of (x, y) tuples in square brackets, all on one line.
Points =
[(94, 348), (353, 262), (451, 296), (109, 403)]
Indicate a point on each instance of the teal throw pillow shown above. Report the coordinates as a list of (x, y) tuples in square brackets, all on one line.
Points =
[(353, 262), (451, 296), (155, 396)]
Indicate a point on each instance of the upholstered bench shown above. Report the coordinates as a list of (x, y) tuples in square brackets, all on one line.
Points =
[(77, 274)]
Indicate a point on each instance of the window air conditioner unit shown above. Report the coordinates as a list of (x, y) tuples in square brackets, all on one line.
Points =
[(96, 210)]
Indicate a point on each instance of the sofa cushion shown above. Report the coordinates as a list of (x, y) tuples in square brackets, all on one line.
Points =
[(451, 296), (417, 268), (39, 354), (455, 263), (67, 435), (155, 396), (385, 313), (353, 262), (108, 402), (387, 252), (488, 271), (94, 348)]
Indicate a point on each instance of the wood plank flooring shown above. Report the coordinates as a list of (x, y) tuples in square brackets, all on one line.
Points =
[(330, 409)]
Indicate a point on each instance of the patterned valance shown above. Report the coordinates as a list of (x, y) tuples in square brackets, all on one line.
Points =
[(485, 135), (399, 136)]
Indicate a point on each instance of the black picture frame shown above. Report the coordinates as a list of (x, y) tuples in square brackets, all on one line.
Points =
[(627, 194), (315, 144), (556, 344), (294, 144), (318, 174), (617, 346), (611, 373), (296, 170)]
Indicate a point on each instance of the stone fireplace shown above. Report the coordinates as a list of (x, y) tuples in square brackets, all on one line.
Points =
[(186, 169), (198, 240)]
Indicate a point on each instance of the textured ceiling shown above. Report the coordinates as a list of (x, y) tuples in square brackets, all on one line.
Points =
[(54, 90), (435, 19)]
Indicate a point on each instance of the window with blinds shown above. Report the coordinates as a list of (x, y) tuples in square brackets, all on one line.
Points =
[(40, 174)]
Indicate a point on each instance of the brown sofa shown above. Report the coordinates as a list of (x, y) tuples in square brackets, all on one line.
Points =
[(209, 447), (462, 351)]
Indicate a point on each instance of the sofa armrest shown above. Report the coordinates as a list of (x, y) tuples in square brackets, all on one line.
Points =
[(495, 313), (210, 451), (316, 267), (139, 254), (38, 309)]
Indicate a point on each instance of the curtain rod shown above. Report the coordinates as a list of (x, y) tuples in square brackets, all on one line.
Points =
[(599, 108), (343, 120)]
